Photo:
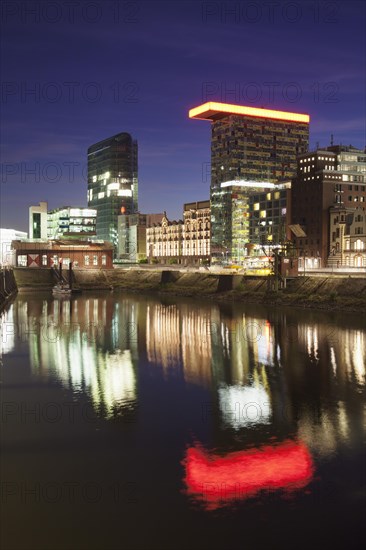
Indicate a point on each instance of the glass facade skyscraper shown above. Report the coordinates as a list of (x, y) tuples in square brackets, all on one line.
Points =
[(112, 183), (251, 149)]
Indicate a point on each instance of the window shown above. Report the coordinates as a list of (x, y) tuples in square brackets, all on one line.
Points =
[(37, 226), (22, 260), (359, 245), (86, 259), (95, 259), (44, 259)]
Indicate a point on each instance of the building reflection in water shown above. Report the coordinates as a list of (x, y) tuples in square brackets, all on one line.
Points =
[(267, 372), (179, 337), (82, 343)]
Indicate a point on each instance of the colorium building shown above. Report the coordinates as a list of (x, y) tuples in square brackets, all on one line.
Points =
[(252, 150)]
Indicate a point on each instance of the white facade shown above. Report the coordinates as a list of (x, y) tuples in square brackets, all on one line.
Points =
[(164, 240), (69, 220), (7, 254), (185, 242), (196, 230), (347, 237), (38, 221)]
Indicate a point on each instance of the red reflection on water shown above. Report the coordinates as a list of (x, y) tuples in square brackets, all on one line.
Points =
[(218, 480)]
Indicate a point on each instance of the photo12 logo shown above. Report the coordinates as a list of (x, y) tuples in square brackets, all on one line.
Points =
[(68, 92), (269, 92), (70, 12), (250, 12)]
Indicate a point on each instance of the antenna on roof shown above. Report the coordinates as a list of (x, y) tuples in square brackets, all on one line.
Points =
[(331, 139), (317, 145)]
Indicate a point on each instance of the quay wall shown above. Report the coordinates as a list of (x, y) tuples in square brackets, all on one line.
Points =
[(8, 286), (329, 292)]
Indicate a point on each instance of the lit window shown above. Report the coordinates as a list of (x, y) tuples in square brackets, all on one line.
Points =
[(22, 260)]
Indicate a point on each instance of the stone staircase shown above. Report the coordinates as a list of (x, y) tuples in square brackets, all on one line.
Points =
[(334, 260)]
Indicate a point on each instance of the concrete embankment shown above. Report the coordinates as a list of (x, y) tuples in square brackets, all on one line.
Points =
[(328, 292), (8, 286), (29, 278)]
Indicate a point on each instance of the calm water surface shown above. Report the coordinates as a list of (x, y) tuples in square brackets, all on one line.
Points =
[(140, 422)]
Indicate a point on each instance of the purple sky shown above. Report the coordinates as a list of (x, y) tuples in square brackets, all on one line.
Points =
[(99, 68)]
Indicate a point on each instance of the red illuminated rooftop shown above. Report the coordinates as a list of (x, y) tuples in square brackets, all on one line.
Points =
[(214, 111)]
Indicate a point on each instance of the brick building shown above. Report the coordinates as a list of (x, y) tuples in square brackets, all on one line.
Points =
[(83, 254), (333, 176)]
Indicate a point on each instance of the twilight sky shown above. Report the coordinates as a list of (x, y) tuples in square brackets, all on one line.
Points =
[(75, 72)]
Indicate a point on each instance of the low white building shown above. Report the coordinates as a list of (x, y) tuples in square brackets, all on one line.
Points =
[(72, 222), (7, 254)]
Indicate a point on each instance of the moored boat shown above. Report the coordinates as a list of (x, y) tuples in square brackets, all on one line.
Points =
[(62, 289)]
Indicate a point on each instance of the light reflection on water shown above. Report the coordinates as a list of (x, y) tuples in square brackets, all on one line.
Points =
[(93, 344), (219, 480), (268, 375)]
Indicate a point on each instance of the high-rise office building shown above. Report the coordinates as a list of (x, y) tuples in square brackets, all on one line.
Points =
[(251, 149), (112, 183)]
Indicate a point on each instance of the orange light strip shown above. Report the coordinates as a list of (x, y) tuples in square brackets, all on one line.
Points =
[(210, 110)]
